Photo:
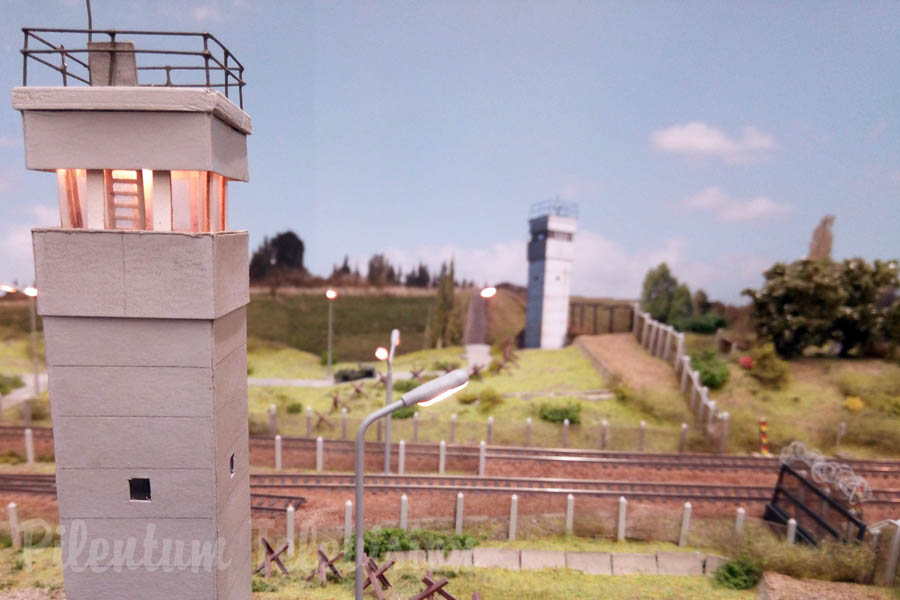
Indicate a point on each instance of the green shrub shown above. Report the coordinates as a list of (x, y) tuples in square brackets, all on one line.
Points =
[(714, 371), (405, 385), (769, 369), (379, 541), (404, 413), (739, 574), (444, 365), (467, 398), (881, 392), (258, 425), (294, 408), (323, 358), (361, 372), (11, 457), (557, 413), (707, 323), (489, 400), (9, 383)]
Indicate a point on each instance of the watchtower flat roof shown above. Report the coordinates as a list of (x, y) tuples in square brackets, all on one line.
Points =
[(122, 98)]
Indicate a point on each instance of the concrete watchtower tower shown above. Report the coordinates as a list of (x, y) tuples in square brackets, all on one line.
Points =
[(550, 255), (143, 295)]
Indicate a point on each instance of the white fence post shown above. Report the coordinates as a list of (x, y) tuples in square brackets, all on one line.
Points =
[(604, 434), (679, 351), (490, 430), (482, 457), (320, 454), (528, 431), (348, 522), (289, 529), (570, 514), (620, 530), (343, 423), (641, 435), (29, 447), (739, 521), (415, 427), (459, 513), (513, 516), (273, 419), (14, 532), (277, 452), (565, 433), (401, 458), (723, 432), (685, 370), (682, 438), (890, 569), (442, 457), (404, 511), (791, 531), (685, 524), (308, 421)]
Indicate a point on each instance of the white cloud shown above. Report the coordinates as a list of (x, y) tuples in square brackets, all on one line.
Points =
[(730, 209), (207, 13), (699, 140)]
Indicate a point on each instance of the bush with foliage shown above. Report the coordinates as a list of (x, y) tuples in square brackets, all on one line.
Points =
[(768, 369), (294, 408), (445, 325), (323, 358), (405, 385), (9, 383), (361, 372), (809, 303), (488, 399), (880, 392), (707, 323), (467, 398), (258, 425), (739, 574), (404, 413), (557, 413), (444, 365), (714, 371), (658, 291), (377, 542)]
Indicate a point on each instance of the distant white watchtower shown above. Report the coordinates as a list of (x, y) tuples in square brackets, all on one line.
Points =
[(144, 291), (551, 252)]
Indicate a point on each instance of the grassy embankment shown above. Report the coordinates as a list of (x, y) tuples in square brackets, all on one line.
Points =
[(812, 405)]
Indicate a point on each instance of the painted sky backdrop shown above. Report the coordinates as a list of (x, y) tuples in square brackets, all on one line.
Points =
[(711, 135)]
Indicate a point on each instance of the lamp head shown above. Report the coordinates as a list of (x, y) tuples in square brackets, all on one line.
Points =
[(381, 353), (7, 289), (489, 292), (395, 337), (331, 294), (30, 291), (436, 390)]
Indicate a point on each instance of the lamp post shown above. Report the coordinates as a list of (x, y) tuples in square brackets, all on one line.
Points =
[(426, 394), (32, 293), (488, 292), (388, 356), (331, 295)]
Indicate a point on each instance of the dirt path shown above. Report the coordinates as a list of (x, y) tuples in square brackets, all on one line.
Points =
[(619, 353)]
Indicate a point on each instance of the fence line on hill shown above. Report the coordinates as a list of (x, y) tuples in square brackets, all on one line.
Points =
[(664, 342)]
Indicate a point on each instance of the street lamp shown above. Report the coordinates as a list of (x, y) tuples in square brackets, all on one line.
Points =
[(388, 355), (32, 293), (427, 394), (330, 295), (488, 292)]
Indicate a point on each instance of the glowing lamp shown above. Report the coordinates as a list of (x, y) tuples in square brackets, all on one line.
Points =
[(8, 289), (31, 292), (381, 354), (489, 292), (331, 294)]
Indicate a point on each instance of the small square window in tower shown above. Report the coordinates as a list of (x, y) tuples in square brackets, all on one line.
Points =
[(140, 489)]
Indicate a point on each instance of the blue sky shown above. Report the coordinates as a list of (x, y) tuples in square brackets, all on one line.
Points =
[(712, 135)]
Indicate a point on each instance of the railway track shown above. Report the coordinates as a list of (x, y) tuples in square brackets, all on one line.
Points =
[(869, 468), (527, 485), (45, 485)]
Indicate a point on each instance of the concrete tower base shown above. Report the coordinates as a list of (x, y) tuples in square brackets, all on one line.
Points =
[(147, 359)]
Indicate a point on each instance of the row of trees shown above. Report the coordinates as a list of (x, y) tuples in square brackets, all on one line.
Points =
[(279, 260), (669, 301), (807, 303)]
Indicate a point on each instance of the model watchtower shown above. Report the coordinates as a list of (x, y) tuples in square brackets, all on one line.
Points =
[(551, 252), (143, 296)]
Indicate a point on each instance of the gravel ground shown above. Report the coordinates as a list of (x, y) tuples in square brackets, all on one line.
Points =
[(31, 594), (621, 354), (781, 587)]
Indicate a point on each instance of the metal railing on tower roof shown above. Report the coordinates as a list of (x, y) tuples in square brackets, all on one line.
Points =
[(192, 59), (554, 207)]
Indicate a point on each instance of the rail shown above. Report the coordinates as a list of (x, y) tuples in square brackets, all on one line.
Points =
[(220, 68)]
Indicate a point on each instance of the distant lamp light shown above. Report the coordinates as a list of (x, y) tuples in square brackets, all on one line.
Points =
[(489, 292), (381, 354), (331, 294), (30, 291), (7, 288)]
